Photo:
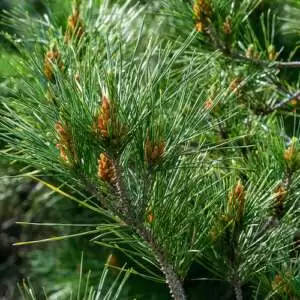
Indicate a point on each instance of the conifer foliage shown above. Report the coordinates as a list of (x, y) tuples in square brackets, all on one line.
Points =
[(171, 122)]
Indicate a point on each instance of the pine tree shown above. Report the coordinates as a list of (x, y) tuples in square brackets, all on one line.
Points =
[(175, 125)]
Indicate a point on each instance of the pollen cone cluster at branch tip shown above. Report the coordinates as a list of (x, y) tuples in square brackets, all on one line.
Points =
[(75, 27), (202, 13), (289, 152), (52, 57), (236, 201), (107, 124), (106, 169), (153, 151), (227, 26), (103, 118), (280, 195), (65, 144)]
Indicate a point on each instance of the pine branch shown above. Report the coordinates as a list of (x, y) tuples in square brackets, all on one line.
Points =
[(172, 280), (238, 291), (218, 44), (127, 213), (264, 63), (295, 96)]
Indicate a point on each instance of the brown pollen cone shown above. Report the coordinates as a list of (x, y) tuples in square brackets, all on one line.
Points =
[(150, 217), (289, 152), (280, 195), (202, 14), (106, 169), (153, 151), (52, 57), (227, 27), (103, 118), (65, 144), (74, 27), (235, 85), (236, 201), (107, 125)]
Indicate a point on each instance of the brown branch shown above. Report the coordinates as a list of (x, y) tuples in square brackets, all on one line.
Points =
[(265, 63), (285, 65), (172, 280), (238, 291), (295, 96)]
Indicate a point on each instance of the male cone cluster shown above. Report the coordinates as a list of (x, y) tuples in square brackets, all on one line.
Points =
[(52, 58), (106, 169), (153, 151), (236, 201), (65, 144), (202, 12), (75, 28)]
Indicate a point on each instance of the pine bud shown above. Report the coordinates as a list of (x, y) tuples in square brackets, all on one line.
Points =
[(272, 55), (107, 124), (289, 153), (153, 151), (251, 52), (103, 118), (106, 169), (208, 104), (202, 13), (200, 27), (65, 144), (235, 85), (227, 26), (293, 102), (52, 57), (236, 201), (75, 27), (280, 195), (150, 217)]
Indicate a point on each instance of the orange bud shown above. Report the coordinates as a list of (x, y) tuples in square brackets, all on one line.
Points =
[(74, 27), (227, 26), (272, 55), (293, 102), (103, 118), (280, 194), (202, 14), (236, 201), (200, 27), (150, 217), (106, 169), (197, 9), (234, 85), (208, 104), (250, 52), (153, 152), (52, 57), (65, 143), (289, 152)]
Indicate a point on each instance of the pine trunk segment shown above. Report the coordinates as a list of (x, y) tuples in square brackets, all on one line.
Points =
[(174, 283), (238, 291)]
